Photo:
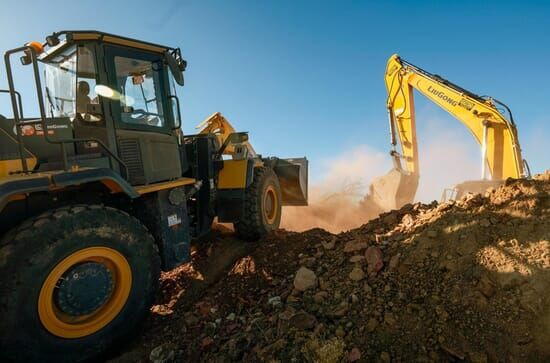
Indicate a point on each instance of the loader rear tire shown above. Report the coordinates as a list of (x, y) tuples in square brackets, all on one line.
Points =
[(73, 282), (261, 206)]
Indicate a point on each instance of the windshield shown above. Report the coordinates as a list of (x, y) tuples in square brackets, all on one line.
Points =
[(60, 75)]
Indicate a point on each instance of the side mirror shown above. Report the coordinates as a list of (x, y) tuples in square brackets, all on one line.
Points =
[(176, 110), (176, 67)]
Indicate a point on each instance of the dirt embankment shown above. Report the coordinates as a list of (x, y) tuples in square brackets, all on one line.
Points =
[(464, 280)]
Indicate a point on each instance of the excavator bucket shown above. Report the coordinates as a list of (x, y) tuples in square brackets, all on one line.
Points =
[(393, 190), (293, 178)]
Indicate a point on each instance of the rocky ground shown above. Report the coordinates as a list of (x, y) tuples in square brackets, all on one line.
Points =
[(466, 280)]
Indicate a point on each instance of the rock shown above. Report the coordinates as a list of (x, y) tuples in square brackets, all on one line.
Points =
[(407, 220), (164, 353), (356, 274), (478, 357), (305, 279), (486, 286), (274, 301), (484, 223), (320, 297), (389, 319), (394, 262), (231, 317), (190, 319), (340, 332), (441, 313), (385, 357), (353, 246), (329, 245), (303, 321), (354, 355), (206, 342), (375, 260), (372, 324), (357, 258)]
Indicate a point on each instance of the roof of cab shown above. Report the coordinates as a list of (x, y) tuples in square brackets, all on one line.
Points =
[(94, 35)]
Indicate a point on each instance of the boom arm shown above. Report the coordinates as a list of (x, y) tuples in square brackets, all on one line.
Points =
[(496, 134)]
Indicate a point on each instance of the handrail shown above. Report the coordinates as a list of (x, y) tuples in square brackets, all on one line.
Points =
[(18, 100)]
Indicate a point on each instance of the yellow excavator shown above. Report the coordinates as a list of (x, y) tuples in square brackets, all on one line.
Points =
[(489, 120)]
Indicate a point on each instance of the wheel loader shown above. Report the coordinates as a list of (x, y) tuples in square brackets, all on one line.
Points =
[(490, 122), (102, 190)]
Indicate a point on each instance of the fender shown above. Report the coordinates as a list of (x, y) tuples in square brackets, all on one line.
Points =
[(14, 186)]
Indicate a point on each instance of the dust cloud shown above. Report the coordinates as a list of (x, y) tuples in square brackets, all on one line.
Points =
[(334, 202)]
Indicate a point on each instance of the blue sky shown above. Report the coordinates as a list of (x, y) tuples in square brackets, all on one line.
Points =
[(306, 77)]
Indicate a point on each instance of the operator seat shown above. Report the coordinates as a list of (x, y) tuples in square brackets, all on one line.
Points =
[(82, 98)]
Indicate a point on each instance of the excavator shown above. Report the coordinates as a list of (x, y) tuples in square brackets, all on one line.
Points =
[(490, 122)]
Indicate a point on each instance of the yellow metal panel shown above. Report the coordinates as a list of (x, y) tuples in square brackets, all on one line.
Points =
[(144, 189), (10, 166), (233, 174)]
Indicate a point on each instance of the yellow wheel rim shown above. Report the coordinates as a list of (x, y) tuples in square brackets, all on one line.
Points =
[(271, 204), (65, 325)]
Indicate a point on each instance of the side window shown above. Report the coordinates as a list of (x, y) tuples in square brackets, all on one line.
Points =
[(139, 85), (86, 82)]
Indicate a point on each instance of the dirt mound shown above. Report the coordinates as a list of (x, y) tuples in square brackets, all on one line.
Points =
[(464, 280)]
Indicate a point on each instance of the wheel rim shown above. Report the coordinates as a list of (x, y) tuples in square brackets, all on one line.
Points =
[(84, 292), (271, 204)]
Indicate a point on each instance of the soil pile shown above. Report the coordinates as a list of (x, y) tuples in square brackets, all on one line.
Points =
[(465, 280)]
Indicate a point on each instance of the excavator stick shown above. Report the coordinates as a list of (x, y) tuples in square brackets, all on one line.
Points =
[(393, 190)]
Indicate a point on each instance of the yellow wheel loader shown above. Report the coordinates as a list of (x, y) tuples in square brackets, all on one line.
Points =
[(489, 120), (102, 190)]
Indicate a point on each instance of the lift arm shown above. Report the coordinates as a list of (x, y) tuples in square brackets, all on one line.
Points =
[(496, 134)]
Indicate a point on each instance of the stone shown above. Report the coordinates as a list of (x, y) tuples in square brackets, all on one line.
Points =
[(206, 342), (394, 262), (305, 279), (303, 321), (357, 259), (375, 260), (354, 355), (320, 297), (328, 245), (340, 332), (385, 357), (372, 324), (190, 319), (432, 233), (389, 319), (357, 274), (274, 301), (231, 317), (484, 223), (353, 246), (164, 353)]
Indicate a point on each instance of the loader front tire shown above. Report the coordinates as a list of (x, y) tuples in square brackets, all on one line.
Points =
[(261, 206), (73, 282)]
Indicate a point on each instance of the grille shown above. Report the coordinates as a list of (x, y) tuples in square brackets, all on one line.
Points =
[(130, 153)]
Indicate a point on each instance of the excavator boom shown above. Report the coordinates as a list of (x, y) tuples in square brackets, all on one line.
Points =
[(495, 133)]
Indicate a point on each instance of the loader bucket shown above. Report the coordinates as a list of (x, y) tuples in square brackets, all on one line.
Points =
[(293, 178), (393, 190)]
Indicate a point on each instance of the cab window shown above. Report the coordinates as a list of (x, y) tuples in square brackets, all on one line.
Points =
[(139, 85)]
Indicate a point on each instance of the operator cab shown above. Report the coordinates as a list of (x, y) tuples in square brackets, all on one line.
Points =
[(108, 101)]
